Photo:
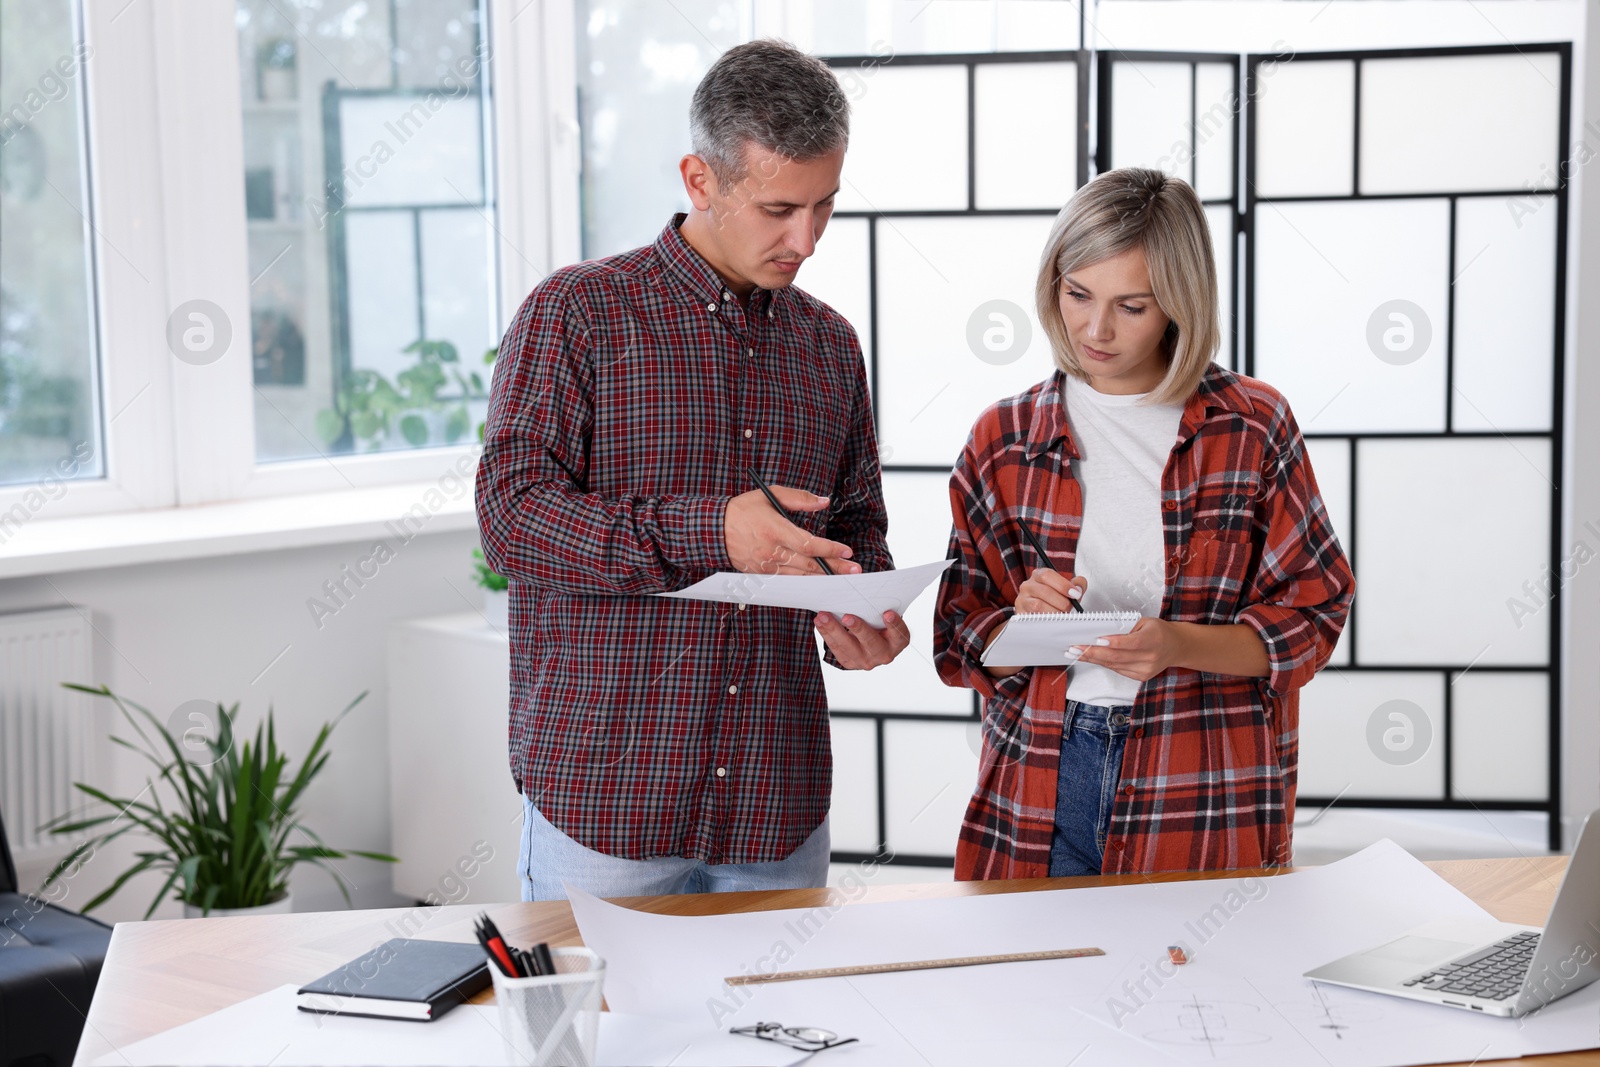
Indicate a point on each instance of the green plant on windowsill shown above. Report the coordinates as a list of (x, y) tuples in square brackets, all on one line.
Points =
[(484, 577), (225, 843), (488, 361), (368, 410), (482, 574)]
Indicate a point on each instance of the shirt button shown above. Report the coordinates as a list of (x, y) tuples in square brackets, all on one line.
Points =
[(727, 295), (752, 353), (1171, 505), (1117, 845), (1127, 790), (732, 689), (742, 607), (711, 307), (749, 433), (1138, 731), (722, 772)]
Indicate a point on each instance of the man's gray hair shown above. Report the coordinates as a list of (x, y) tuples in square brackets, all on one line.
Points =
[(773, 94)]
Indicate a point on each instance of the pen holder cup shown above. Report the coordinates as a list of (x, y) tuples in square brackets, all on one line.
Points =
[(553, 1021)]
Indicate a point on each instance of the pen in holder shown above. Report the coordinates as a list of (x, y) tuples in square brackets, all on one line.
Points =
[(552, 1020)]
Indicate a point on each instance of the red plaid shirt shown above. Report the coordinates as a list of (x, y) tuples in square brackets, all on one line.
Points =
[(1208, 772), (629, 397)]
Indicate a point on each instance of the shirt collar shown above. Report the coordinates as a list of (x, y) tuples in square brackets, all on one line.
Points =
[(1219, 390), (1049, 423), (707, 286)]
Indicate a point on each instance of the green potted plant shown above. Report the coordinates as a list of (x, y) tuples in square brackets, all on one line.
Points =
[(233, 834), (496, 592), (488, 361), (496, 589), (369, 410)]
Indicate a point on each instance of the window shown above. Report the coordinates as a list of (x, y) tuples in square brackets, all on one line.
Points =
[(369, 205), (50, 401), (263, 251), (638, 65)]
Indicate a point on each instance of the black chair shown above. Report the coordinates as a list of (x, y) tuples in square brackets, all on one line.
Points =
[(50, 960)]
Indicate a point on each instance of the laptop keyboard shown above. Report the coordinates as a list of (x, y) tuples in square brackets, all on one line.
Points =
[(1493, 973)]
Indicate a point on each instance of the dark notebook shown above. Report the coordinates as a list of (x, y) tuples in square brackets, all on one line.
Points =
[(402, 978)]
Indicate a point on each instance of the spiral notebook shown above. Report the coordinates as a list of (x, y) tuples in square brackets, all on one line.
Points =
[(1041, 639)]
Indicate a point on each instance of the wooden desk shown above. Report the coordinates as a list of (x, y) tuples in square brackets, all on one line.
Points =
[(160, 974)]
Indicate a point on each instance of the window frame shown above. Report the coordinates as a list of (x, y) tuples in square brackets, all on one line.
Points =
[(126, 281)]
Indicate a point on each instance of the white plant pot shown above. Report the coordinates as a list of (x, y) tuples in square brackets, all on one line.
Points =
[(497, 609), (278, 907)]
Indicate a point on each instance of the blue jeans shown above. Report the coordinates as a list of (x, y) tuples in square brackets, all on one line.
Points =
[(547, 858), (1092, 738)]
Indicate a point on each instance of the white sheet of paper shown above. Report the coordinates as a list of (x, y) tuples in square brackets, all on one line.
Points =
[(866, 595), (1249, 942), (270, 1029)]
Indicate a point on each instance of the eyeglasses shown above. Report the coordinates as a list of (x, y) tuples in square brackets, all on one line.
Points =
[(805, 1038)]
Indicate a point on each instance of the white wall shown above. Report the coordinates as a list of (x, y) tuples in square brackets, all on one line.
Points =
[(208, 629)]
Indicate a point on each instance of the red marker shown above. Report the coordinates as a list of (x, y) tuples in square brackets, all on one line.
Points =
[(489, 937)]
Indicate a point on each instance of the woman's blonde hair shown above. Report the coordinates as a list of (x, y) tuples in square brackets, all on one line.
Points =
[(1121, 209)]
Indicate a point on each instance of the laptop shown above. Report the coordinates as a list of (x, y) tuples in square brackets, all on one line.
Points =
[(1492, 967)]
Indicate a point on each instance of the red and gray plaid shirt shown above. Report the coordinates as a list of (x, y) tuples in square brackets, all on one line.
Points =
[(629, 396), (1208, 772)]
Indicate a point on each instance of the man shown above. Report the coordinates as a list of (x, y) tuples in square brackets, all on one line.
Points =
[(666, 746)]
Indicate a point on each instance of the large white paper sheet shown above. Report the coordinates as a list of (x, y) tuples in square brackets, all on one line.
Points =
[(867, 595), (270, 1029), (1249, 942)]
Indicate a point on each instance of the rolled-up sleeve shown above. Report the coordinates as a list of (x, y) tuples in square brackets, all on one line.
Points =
[(1303, 585)]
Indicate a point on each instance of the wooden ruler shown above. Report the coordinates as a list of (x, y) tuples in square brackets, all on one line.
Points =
[(911, 965)]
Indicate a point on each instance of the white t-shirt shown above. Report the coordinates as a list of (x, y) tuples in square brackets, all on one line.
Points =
[(1124, 445)]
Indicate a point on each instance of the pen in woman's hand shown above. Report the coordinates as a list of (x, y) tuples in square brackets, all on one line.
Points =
[(1038, 547)]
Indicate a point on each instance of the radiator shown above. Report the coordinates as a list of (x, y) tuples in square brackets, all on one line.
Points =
[(45, 730)]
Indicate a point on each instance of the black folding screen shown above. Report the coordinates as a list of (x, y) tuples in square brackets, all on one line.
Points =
[(1374, 262)]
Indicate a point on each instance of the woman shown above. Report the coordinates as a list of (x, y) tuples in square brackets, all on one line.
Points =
[(1158, 482)]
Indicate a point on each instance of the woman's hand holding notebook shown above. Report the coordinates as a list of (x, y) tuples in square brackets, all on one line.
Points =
[(1042, 639)]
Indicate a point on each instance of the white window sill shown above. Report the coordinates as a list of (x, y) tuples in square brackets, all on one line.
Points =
[(259, 525)]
